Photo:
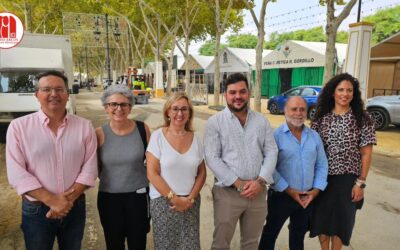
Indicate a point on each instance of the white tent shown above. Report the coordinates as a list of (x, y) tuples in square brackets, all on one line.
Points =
[(234, 60), (295, 54)]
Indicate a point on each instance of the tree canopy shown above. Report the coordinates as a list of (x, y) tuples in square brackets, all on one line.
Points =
[(245, 41), (386, 23)]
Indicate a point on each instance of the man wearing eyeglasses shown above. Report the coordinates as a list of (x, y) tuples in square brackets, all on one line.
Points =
[(51, 159), (241, 152)]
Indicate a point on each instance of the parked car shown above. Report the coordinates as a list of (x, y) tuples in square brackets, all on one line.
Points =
[(384, 110), (277, 103)]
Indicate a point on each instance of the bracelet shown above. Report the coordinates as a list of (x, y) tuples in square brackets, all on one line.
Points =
[(261, 182), (240, 188), (170, 195), (360, 181)]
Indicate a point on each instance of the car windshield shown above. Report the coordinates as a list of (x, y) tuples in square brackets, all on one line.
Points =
[(18, 82)]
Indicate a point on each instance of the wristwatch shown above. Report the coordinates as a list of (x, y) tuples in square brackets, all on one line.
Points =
[(361, 185), (240, 188)]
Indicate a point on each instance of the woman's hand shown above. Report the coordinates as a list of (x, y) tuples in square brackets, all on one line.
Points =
[(180, 204), (357, 193)]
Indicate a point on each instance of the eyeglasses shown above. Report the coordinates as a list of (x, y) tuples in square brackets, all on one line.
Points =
[(48, 90), (176, 110), (123, 105)]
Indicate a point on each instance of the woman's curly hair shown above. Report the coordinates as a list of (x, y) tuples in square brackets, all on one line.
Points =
[(326, 100)]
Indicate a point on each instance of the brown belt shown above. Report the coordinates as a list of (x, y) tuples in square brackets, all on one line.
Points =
[(81, 197)]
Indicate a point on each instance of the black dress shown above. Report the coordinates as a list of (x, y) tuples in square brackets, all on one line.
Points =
[(334, 212)]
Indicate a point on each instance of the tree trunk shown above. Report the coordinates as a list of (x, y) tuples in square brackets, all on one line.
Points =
[(217, 70), (187, 70)]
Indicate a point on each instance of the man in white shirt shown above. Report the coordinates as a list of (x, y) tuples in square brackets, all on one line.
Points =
[(241, 152)]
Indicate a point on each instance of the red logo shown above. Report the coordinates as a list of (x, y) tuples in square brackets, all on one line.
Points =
[(11, 30)]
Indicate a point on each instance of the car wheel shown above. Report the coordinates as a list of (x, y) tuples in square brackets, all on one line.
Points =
[(380, 118), (311, 112), (273, 108)]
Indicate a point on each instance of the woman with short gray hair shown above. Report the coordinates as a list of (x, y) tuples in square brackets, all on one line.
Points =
[(122, 199)]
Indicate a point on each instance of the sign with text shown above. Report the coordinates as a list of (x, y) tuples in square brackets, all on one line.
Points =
[(11, 30)]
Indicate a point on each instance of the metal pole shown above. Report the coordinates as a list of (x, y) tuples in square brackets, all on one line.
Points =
[(80, 69), (108, 66), (87, 70), (359, 11), (158, 37), (129, 49)]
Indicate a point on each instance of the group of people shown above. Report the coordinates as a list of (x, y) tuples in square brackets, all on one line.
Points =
[(316, 175)]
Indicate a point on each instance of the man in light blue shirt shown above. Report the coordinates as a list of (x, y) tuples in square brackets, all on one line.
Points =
[(300, 174), (241, 152)]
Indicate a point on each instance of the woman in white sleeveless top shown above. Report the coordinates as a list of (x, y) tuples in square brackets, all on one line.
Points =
[(176, 171)]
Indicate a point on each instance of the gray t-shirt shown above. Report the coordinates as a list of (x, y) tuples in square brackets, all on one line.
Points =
[(121, 158)]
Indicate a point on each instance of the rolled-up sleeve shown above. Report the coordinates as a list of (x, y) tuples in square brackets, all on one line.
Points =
[(270, 151), (89, 170), (213, 154), (18, 175), (321, 166)]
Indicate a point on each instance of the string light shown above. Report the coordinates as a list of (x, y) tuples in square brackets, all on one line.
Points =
[(283, 25)]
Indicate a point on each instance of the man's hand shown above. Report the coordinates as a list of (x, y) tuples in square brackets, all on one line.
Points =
[(296, 195), (251, 189), (310, 196), (357, 193), (59, 205)]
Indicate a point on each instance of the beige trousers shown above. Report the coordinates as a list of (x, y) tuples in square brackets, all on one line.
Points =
[(229, 207)]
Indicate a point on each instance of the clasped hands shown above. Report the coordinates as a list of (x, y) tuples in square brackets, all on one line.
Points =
[(181, 203), (303, 198), (60, 205)]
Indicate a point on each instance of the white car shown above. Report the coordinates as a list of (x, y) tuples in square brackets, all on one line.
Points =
[(384, 110)]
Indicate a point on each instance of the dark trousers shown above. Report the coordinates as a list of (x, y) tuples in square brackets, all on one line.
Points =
[(124, 216), (40, 232), (280, 207)]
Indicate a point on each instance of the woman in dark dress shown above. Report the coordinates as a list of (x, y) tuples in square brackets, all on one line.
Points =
[(348, 134)]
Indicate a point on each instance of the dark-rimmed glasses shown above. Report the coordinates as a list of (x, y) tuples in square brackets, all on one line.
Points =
[(115, 105), (48, 90), (176, 110)]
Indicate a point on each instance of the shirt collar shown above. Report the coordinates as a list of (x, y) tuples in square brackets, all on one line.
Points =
[(285, 128), (230, 114), (44, 119)]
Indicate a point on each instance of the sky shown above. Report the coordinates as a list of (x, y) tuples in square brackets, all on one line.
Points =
[(291, 15)]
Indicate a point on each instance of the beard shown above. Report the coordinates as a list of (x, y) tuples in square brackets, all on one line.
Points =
[(232, 107), (295, 122)]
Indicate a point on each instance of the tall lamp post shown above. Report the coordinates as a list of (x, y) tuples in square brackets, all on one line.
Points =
[(97, 34)]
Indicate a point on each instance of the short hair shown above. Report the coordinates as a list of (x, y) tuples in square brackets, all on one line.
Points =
[(295, 96), (52, 73), (117, 89), (234, 78), (167, 106)]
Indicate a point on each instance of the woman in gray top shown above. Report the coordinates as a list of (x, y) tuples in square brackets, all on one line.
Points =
[(122, 199)]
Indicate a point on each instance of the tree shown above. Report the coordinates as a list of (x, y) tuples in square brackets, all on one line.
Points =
[(386, 23), (224, 10), (208, 48), (259, 49), (245, 41), (332, 25), (316, 34)]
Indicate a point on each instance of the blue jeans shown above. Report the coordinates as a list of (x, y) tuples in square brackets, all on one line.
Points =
[(40, 232)]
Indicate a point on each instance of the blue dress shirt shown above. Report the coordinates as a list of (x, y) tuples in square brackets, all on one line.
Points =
[(302, 165)]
